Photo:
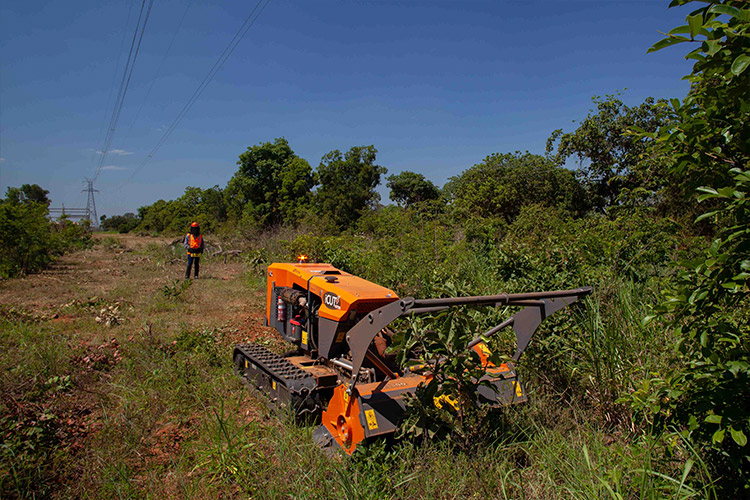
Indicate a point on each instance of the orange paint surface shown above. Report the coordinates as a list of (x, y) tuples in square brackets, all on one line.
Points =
[(342, 419), (349, 289)]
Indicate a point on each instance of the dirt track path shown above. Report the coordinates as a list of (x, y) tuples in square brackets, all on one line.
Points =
[(93, 272), (132, 269)]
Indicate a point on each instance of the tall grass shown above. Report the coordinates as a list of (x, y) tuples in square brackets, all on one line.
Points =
[(615, 350)]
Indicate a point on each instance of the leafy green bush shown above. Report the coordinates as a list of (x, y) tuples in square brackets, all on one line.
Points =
[(448, 405), (503, 183), (28, 245), (705, 394), (120, 223), (31, 241)]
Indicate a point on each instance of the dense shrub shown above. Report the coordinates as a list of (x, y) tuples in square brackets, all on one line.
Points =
[(30, 240), (120, 223), (705, 393)]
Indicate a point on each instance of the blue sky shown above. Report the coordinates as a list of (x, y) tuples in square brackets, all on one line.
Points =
[(436, 85)]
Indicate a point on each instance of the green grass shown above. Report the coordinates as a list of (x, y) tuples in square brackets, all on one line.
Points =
[(151, 408), (34, 371), (189, 387)]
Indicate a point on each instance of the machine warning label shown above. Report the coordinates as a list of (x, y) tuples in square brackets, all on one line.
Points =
[(304, 338), (517, 386), (483, 347), (273, 384), (372, 422)]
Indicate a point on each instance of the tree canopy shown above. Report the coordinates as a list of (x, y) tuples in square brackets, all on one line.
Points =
[(502, 184), (611, 157), (347, 184), (28, 193), (271, 185), (408, 188)]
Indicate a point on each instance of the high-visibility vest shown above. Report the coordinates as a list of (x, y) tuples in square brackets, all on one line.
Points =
[(195, 243)]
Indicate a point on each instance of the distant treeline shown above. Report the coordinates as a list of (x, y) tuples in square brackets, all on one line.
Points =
[(273, 186)]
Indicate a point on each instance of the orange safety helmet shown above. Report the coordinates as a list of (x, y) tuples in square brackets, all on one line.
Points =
[(194, 224)]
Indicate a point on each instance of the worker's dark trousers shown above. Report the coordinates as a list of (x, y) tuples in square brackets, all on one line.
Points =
[(191, 260)]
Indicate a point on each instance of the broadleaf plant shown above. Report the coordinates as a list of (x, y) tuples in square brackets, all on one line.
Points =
[(706, 394)]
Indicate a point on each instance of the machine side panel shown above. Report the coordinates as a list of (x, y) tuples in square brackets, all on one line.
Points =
[(327, 330)]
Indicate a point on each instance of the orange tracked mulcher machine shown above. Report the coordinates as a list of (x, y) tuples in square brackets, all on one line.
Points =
[(340, 371)]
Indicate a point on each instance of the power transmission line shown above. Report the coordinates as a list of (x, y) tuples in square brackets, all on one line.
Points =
[(107, 136), (125, 83), (161, 65), (244, 28), (94, 153)]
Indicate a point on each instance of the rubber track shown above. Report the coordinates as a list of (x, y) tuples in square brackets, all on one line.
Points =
[(297, 381)]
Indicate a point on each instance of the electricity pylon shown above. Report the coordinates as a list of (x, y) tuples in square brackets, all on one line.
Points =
[(91, 203)]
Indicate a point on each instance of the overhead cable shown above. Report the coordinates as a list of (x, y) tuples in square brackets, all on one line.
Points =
[(103, 128), (161, 65), (244, 28), (125, 83)]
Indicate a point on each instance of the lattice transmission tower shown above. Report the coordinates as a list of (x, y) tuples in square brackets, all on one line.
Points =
[(91, 203)]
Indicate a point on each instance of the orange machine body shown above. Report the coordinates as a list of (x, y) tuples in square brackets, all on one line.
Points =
[(340, 292)]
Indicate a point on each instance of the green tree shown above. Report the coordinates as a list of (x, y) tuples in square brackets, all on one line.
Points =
[(503, 183), (205, 206), (272, 185), (28, 193), (408, 188), (347, 184), (707, 393), (161, 215), (611, 157), (29, 245), (212, 205), (30, 240)]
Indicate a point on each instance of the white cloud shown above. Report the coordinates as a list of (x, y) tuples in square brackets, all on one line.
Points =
[(2, 160), (118, 152), (114, 167)]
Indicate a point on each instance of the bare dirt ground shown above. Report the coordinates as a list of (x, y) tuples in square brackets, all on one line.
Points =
[(122, 269), (98, 320)]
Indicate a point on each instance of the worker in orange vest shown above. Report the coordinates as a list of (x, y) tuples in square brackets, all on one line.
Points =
[(194, 247)]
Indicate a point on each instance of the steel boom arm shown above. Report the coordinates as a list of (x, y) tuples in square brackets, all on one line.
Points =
[(538, 306)]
